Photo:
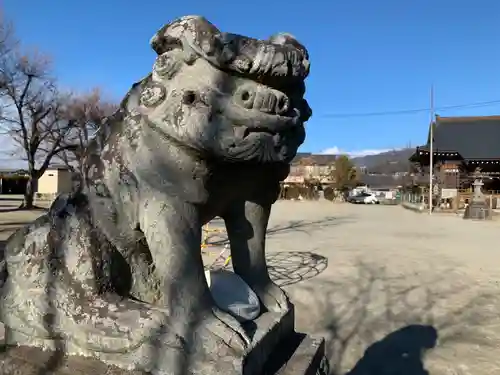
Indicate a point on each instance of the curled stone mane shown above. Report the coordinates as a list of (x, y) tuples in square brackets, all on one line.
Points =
[(279, 56)]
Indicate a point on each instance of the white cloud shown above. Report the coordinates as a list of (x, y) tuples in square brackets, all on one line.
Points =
[(356, 153)]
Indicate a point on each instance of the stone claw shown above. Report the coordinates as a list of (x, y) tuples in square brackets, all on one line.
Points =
[(231, 331), (272, 297)]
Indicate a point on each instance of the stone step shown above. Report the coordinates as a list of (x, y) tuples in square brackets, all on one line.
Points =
[(300, 354)]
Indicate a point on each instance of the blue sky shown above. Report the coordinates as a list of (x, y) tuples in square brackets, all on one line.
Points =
[(366, 56)]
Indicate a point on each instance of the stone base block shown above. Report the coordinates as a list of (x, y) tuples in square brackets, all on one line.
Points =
[(271, 330), (477, 211), (268, 332), (300, 354), (23, 360)]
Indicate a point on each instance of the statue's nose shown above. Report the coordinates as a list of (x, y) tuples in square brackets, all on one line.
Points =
[(263, 100)]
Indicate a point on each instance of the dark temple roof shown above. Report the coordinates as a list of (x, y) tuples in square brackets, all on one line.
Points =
[(474, 138)]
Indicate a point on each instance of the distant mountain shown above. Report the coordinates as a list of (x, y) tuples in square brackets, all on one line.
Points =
[(386, 162)]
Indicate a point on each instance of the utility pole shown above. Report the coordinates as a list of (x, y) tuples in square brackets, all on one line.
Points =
[(431, 151)]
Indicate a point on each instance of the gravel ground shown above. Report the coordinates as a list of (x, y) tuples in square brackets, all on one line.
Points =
[(393, 291)]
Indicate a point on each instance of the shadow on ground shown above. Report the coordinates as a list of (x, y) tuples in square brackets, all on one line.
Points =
[(8, 208), (379, 323), (291, 267), (400, 352), (9, 204), (308, 227), (285, 267), (12, 198), (12, 226)]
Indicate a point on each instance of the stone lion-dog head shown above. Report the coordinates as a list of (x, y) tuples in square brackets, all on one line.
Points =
[(222, 95)]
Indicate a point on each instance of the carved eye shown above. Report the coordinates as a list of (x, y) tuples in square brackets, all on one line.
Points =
[(189, 97)]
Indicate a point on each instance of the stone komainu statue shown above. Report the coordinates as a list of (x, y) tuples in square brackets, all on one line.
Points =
[(114, 270)]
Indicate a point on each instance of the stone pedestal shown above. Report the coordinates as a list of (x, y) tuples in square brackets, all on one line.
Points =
[(477, 211), (477, 208), (276, 349), (300, 355)]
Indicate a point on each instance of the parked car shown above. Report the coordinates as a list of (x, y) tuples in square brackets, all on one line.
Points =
[(363, 198)]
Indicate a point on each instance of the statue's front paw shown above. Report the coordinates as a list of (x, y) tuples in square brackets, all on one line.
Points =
[(228, 329), (272, 297), (216, 344)]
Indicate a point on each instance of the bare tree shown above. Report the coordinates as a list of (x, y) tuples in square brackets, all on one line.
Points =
[(8, 41), (31, 112), (86, 113)]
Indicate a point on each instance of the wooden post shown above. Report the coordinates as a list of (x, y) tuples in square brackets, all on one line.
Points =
[(431, 155)]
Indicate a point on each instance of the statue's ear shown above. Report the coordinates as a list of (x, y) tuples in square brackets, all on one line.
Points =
[(185, 29), (162, 42), (191, 34)]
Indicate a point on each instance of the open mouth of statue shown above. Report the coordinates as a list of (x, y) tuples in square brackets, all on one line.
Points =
[(264, 144), (246, 124), (242, 132)]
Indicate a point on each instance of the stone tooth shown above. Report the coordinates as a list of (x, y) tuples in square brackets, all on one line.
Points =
[(269, 103), (276, 139)]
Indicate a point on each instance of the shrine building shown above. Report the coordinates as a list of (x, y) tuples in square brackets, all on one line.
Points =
[(461, 146)]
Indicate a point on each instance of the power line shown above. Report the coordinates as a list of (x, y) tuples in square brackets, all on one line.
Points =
[(411, 111)]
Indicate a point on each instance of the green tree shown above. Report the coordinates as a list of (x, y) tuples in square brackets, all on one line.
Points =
[(344, 173)]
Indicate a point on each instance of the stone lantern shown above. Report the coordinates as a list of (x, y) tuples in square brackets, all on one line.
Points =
[(477, 208)]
